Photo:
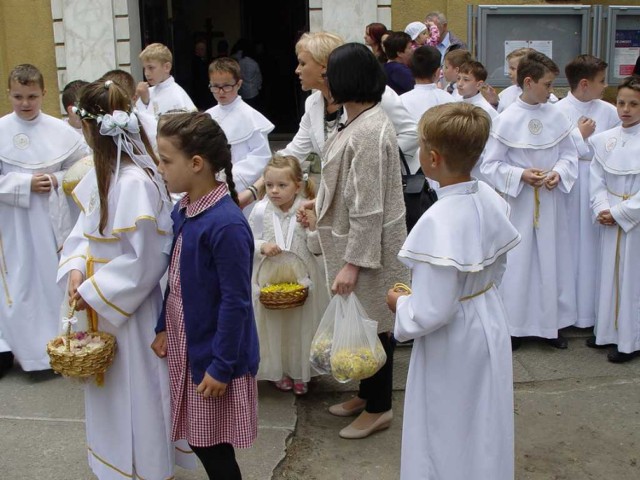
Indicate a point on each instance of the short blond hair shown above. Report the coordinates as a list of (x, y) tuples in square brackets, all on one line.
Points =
[(319, 45), (458, 131), (519, 53), (158, 52)]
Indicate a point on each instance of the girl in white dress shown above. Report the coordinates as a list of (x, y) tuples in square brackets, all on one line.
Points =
[(114, 258), (285, 335)]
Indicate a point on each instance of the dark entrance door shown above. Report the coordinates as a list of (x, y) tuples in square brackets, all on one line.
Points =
[(272, 27)]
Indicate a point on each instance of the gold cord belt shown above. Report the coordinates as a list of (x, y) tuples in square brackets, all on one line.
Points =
[(4, 272), (536, 207), (477, 294), (616, 269)]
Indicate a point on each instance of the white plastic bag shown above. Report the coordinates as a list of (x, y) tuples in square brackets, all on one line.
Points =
[(356, 352), (320, 357), (346, 343)]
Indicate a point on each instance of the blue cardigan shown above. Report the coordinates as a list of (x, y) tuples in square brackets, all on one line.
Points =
[(216, 261)]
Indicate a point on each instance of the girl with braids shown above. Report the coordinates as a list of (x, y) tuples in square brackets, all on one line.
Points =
[(207, 330), (283, 245), (114, 258)]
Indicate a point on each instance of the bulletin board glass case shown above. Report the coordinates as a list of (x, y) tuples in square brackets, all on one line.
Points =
[(623, 41), (560, 32)]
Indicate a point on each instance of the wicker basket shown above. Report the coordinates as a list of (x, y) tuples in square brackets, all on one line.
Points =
[(281, 300), (84, 363)]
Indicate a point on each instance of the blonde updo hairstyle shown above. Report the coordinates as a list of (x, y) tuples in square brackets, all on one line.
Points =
[(319, 45)]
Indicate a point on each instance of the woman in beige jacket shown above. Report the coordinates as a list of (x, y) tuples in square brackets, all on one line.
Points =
[(361, 217)]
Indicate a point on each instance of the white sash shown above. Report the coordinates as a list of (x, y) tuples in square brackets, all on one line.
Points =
[(277, 228)]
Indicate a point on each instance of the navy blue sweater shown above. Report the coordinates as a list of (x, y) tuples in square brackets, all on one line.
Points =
[(215, 275)]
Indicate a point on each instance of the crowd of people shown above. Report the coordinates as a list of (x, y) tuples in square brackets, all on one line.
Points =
[(164, 240)]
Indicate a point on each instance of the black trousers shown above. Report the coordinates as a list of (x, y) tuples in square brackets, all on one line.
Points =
[(377, 390), (219, 461)]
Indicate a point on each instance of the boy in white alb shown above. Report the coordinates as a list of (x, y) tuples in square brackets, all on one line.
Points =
[(160, 93), (458, 414), (615, 202), (246, 128), (70, 95), (589, 115), (452, 62), (425, 66), (510, 94), (35, 151), (471, 78), (531, 159)]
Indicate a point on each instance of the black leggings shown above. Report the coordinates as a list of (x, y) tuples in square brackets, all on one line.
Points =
[(377, 390), (219, 461)]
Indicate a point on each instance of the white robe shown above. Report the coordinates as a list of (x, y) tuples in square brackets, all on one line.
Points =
[(127, 419), (458, 414), (479, 101), (615, 186), (285, 335), (247, 132), (422, 98), (509, 95), (583, 231), (165, 96), (538, 288), (29, 298)]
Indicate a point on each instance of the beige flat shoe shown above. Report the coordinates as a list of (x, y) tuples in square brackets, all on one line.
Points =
[(339, 411), (383, 422)]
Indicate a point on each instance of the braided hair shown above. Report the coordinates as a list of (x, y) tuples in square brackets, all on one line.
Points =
[(196, 133)]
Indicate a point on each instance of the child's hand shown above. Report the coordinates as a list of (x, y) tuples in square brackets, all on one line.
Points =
[(270, 249), (552, 180), (76, 277), (534, 177), (142, 92), (490, 95), (392, 297), (605, 218), (40, 183), (210, 387), (586, 126), (159, 344)]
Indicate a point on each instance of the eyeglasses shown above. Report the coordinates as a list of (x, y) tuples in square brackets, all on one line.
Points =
[(222, 88)]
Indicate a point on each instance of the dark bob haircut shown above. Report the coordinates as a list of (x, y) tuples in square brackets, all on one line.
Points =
[(355, 75)]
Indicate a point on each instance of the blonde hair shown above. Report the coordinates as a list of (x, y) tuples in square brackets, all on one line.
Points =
[(319, 45), (292, 163), (519, 53), (158, 52), (455, 58), (458, 131)]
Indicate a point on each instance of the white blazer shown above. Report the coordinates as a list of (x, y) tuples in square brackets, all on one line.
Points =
[(310, 136)]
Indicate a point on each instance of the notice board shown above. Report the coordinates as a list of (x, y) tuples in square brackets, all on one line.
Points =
[(623, 45), (561, 32)]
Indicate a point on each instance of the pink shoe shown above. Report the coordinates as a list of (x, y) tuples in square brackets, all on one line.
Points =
[(300, 388), (285, 384)]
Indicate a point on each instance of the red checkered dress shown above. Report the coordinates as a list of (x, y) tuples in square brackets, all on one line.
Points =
[(203, 422)]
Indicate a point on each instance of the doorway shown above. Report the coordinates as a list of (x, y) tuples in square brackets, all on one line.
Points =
[(197, 31)]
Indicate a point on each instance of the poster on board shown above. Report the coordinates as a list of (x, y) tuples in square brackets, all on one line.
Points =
[(542, 46), (626, 52)]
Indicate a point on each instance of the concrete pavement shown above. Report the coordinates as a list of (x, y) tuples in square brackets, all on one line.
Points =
[(577, 417)]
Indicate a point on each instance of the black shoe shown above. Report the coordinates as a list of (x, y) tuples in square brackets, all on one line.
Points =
[(591, 343), (516, 343), (618, 357), (560, 342), (6, 362)]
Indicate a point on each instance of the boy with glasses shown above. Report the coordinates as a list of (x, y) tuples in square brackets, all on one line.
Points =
[(246, 128)]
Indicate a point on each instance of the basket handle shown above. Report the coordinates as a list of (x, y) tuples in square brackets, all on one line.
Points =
[(72, 311)]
